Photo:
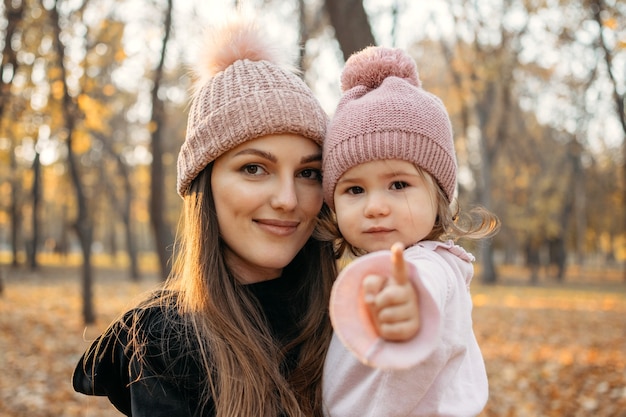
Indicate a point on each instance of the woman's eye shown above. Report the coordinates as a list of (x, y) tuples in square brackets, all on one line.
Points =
[(311, 173), (253, 169)]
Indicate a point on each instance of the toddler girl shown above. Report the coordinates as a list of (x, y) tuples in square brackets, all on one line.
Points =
[(404, 343)]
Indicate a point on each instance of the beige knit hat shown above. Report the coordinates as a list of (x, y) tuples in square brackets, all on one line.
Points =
[(245, 91), (386, 114)]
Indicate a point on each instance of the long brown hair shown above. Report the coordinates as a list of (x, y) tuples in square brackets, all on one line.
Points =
[(237, 353)]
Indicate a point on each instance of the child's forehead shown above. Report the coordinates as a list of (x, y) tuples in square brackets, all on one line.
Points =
[(382, 167)]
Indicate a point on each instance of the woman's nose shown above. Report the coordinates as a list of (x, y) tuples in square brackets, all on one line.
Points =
[(285, 196)]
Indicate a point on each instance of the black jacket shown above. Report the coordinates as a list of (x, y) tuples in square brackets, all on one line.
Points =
[(171, 383)]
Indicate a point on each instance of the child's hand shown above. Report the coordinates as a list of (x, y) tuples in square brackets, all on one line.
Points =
[(393, 302)]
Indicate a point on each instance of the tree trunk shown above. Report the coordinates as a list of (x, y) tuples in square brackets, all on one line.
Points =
[(351, 24), (131, 245), (303, 33), (487, 146), (36, 196), (16, 218), (162, 231), (83, 226), (13, 16), (84, 231), (124, 210), (484, 179), (617, 97), (131, 249), (580, 214), (558, 253), (489, 275), (533, 261)]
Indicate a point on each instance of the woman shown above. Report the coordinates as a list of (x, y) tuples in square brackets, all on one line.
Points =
[(241, 327)]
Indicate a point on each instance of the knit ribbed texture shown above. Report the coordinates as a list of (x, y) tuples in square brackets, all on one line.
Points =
[(247, 100), (395, 120)]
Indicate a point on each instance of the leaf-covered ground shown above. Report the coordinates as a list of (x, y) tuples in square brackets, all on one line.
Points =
[(553, 352), (550, 351)]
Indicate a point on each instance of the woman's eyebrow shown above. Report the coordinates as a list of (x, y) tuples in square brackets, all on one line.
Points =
[(311, 158), (271, 157), (257, 152)]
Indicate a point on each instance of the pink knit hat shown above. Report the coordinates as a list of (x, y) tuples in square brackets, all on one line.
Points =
[(245, 90), (385, 114)]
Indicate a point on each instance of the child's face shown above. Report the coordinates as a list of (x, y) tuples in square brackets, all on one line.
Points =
[(379, 203)]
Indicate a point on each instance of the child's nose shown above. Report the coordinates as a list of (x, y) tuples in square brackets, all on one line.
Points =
[(376, 206)]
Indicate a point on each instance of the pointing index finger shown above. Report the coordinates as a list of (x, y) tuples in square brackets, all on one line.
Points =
[(397, 260)]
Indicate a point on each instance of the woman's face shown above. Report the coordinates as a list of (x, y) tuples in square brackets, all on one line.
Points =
[(267, 195)]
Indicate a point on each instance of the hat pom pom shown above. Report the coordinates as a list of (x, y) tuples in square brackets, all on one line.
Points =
[(373, 64), (238, 39)]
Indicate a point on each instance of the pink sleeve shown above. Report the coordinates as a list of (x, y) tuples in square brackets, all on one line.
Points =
[(354, 328)]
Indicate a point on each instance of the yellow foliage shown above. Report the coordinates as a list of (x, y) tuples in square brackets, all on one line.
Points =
[(611, 23), (83, 101), (108, 90), (120, 55), (81, 143), (152, 126), (54, 73), (141, 213), (57, 89), (5, 189), (26, 179), (620, 244), (521, 181), (95, 113)]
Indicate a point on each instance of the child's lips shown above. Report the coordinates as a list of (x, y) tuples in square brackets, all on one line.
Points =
[(378, 229)]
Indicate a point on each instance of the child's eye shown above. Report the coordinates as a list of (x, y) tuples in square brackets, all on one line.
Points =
[(311, 173), (399, 185), (253, 169), (355, 190)]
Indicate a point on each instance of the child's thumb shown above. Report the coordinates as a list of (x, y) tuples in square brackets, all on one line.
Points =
[(399, 269)]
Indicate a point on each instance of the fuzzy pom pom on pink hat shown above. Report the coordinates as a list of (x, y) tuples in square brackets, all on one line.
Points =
[(385, 113), (244, 90)]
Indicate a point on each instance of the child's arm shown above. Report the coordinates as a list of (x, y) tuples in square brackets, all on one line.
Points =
[(351, 317), (393, 302)]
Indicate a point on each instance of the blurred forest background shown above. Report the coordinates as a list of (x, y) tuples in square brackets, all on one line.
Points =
[(93, 104), (94, 93)]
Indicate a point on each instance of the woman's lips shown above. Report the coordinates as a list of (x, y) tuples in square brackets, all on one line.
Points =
[(277, 227)]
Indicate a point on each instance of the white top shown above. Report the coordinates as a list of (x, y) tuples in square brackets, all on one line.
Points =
[(440, 372)]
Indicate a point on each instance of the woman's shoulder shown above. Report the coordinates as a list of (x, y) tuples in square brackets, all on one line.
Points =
[(156, 308), (145, 326), (147, 344), (153, 320)]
